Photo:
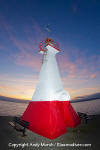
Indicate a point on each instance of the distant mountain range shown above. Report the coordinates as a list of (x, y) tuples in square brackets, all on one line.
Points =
[(9, 99)]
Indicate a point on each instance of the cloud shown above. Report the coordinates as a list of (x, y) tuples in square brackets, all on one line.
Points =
[(80, 87), (92, 76), (80, 66), (76, 68), (66, 66), (27, 52), (13, 86), (27, 45), (17, 90), (26, 59), (80, 75)]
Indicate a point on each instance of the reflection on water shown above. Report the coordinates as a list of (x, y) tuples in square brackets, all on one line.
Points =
[(13, 109)]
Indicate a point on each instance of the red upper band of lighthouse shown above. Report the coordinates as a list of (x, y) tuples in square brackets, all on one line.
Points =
[(50, 112), (48, 41)]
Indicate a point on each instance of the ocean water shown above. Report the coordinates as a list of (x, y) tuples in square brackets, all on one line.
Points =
[(88, 107), (11, 108), (16, 109)]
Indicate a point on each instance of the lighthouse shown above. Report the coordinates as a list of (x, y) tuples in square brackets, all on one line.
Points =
[(50, 112)]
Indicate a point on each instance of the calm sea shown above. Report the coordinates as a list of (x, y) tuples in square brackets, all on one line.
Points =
[(13, 108)]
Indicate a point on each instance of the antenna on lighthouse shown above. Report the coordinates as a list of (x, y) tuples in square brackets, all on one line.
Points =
[(48, 29)]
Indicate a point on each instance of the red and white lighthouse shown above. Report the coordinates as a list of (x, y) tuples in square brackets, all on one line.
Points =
[(50, 112)]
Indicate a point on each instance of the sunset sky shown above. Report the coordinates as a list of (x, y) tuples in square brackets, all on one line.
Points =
[(74, 24)]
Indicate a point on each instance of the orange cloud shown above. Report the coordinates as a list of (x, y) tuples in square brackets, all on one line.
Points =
[(92, 76), (67, 66), (16, 87), (26, 59), (81, 91), (79, 68)]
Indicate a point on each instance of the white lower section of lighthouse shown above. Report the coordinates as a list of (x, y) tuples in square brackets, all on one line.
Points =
[(49, 87)]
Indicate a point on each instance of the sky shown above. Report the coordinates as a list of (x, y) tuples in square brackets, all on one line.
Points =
[(74, 24)]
